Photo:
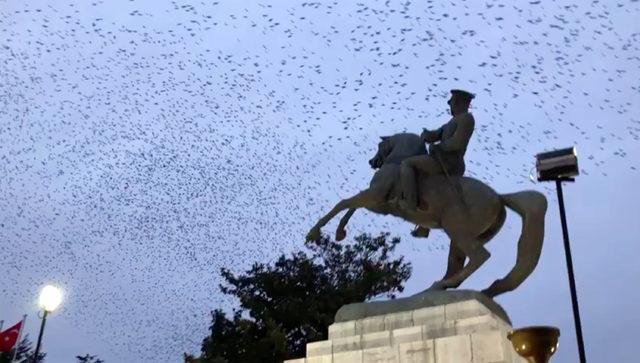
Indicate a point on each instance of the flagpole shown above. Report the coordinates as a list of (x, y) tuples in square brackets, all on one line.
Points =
[(1, 324), (17, 346)]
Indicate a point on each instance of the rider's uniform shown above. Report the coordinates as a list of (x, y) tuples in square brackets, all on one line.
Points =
[(454, 138)]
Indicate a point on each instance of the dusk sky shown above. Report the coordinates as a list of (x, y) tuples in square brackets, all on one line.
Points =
[(144, 145)]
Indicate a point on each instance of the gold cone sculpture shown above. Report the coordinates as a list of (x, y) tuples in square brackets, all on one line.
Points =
[(535, 343)]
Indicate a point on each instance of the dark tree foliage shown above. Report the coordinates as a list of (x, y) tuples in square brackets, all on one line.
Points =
[(291, 302), (24, 355), (87, 358)]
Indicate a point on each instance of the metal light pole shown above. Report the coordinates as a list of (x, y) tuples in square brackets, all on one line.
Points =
[(562, 165), (44, 320), (572, 281), (50, 299)]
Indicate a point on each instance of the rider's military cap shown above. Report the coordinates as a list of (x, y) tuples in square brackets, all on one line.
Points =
[(464, 94)]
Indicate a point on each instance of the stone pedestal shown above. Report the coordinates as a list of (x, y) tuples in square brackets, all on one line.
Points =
[(460, 332)]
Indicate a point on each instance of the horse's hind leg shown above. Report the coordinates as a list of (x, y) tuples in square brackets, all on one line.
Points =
[(455, 262), (464, 243), (457, 272), (456, 259), (365, 198)]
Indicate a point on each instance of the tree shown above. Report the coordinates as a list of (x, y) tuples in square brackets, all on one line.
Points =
[(293, 301), (24, 355), (87, 358)]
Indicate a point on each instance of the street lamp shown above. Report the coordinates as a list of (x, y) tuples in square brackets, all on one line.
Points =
[(50, 299), (562, 165)]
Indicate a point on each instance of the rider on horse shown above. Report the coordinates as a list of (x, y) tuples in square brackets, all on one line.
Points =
[(468, 211), (449, 153)]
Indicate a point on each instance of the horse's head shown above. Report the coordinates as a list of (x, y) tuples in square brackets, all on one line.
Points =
[(384, 149)]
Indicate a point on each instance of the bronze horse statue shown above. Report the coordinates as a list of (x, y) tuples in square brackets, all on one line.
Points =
[(470, 212)]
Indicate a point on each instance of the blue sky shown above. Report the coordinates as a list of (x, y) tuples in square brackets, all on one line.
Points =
[(145, 145)]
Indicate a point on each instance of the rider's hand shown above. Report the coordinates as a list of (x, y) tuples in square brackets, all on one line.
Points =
[(424, 134)]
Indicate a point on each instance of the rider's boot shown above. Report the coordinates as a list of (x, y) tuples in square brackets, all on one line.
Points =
[(408, 200), (420, 232)]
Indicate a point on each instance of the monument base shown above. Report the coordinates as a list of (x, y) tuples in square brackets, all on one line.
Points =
[(467, 331)]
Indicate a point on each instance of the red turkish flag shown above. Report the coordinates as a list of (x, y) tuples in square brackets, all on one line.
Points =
[(9, 337)]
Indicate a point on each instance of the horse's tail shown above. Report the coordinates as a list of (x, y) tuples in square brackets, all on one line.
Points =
[(532, 207)]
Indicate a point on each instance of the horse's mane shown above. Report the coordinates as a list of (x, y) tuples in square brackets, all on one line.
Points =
[(405, 145)]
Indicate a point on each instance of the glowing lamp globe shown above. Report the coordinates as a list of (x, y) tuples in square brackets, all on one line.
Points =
[(535, 343), (50, 298)]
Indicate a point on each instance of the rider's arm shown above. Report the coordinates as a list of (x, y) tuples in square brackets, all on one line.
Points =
[(432, 136), (461, 136)]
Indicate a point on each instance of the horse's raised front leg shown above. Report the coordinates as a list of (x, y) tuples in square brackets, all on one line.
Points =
[(361, 200), (341, 233)]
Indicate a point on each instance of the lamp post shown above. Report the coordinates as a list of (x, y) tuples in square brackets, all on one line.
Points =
[(562, 165), (50, 299)]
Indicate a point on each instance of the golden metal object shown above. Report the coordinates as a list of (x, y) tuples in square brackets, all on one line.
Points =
[(535, 343)]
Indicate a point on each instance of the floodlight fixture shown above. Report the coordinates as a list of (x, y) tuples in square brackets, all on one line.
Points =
[(557, 164)]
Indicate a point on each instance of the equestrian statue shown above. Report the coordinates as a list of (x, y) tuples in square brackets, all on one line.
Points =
[(429, 190)]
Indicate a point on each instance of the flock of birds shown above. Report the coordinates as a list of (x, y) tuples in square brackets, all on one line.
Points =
[(147, 144)]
